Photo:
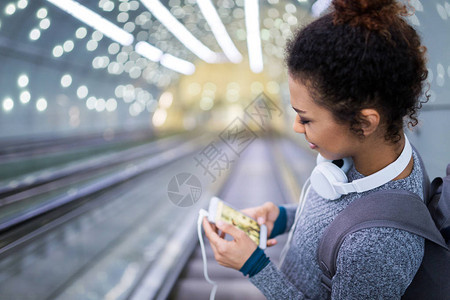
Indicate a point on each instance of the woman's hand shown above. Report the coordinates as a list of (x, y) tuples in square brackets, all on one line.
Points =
[(231, 254), (265, 214)]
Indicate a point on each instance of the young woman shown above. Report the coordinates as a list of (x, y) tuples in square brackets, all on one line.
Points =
[(355, 75)]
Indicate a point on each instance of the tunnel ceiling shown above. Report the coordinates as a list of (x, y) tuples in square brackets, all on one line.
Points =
[(40, 32), (54, 57)]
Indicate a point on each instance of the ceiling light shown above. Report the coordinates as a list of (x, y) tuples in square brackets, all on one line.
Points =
[(8, 104), (58, 51), (159, 117), (148, 51), (94, 20), (35, 34), (82, 92), (166, 99), (42, 13), (44, 24), (41, 104), (10, 9), (177, 64), (81, 33), (68, 46), (25, 97), (179, 31), (167, 60), (253, 35), (23, 80), (22, 4), (219, 31), (111, 104), (66, 80)]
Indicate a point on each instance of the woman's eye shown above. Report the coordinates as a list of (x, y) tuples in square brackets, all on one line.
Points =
[(303, 122)]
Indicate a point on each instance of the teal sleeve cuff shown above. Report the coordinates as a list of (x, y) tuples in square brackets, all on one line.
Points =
[(255, 263), (280, 223)]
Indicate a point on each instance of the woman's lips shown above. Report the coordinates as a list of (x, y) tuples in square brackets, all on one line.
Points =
[(312, 146)]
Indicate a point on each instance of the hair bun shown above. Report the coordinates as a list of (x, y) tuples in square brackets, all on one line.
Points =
[(373, 14)]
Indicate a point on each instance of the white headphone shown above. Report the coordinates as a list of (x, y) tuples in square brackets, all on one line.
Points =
[(330, 181)]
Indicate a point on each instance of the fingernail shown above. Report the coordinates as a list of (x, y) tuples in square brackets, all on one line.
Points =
[(219, 223), (261, 220)]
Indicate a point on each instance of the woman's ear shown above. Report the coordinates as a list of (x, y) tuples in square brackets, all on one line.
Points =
[(370, 120)]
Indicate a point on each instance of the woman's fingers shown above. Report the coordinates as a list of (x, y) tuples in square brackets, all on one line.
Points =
[(211, 234), (230, 229), (272, 242), (251, 212), (232, 254), (258, 213), (261, 215)]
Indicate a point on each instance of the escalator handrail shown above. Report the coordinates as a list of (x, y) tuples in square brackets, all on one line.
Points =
[(107, 160), (106, 182)]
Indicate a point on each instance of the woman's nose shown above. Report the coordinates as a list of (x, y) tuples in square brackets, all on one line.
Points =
[(298, 127)]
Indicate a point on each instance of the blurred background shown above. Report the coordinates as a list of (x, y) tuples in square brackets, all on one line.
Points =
[(120, 119)]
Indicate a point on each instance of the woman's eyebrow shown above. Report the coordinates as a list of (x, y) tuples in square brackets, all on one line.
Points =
[(299, 111)]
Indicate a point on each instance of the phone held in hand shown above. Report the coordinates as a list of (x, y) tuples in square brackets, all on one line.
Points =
[(220, 210)]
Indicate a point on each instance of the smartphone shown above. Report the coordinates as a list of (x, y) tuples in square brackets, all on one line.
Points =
[(220, 210)]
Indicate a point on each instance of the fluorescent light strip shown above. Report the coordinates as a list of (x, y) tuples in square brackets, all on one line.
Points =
[(148, 51), (253, 35), (167, 60), (177, 64), (209, 12), (94, 20), (179, 31)]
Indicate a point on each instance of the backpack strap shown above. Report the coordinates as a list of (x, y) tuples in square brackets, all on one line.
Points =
[(439, 203), (390, 208)]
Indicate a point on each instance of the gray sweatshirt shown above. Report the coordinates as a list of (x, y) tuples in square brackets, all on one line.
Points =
[(375, 263)]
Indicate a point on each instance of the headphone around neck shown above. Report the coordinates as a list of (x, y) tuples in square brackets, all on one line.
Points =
[(330, 181)]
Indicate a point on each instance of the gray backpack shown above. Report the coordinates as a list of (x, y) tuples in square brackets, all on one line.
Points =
[(403, 210)]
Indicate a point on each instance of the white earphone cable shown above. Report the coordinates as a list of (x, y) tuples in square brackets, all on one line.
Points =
[(301, 204), (201, 214)]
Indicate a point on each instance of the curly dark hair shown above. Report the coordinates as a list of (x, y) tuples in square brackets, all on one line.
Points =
[(362, 55)]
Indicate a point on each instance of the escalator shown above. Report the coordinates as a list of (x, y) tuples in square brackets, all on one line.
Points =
[(113, 220), (127, 239)]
